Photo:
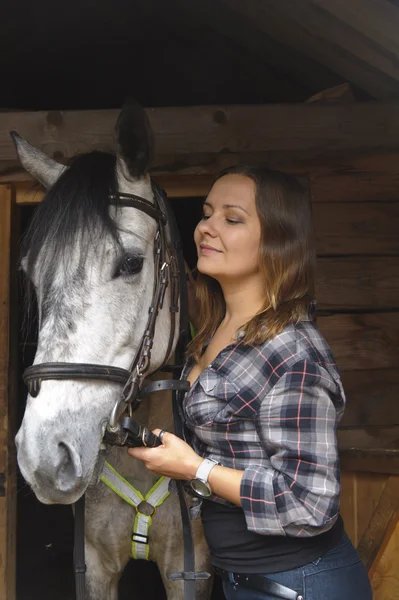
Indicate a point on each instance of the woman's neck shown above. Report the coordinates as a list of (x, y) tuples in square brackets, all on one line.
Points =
[(243, 300)]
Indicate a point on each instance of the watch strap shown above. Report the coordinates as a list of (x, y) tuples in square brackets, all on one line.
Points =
[(204, 469)]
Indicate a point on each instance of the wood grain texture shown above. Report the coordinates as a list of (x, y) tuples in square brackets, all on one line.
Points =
[(357, 283), (360, 342), (384, 573), (215, 129), (369, 438), (7, 452), (356, 186), (380, 526), (312, 31), (372, 398), (370, 460), (366, 228)]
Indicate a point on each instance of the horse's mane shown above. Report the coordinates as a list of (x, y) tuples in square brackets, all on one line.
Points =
[(78, 203)]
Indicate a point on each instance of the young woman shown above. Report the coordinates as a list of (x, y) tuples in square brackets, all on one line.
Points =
[(265, 401)]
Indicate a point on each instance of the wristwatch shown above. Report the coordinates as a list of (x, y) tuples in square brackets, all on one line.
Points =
[(199, 484)]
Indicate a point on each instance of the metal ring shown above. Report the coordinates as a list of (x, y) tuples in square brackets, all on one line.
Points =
[(161, 434)]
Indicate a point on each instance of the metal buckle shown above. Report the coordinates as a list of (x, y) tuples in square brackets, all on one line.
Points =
[(140, 535), (146, 506)]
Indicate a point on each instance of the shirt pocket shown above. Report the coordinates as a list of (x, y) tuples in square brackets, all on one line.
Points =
[(211, 394)]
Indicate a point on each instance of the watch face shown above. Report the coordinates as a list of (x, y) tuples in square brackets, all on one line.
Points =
[(201, 488)]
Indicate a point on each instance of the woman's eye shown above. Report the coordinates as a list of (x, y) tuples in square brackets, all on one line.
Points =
[(129, 265), (233, 221), (204, 217)]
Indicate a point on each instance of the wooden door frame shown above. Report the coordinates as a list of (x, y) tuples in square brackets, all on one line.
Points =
[(8, 390)]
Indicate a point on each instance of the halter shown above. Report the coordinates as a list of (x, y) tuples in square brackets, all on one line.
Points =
[(166, 272)]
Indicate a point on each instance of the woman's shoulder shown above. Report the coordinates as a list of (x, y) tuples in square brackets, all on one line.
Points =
[(266, 363)]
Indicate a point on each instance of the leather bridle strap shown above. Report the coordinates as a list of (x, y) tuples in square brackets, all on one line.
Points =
[(34, 375)]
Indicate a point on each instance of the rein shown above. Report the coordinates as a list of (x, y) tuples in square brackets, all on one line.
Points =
[(123, 430)]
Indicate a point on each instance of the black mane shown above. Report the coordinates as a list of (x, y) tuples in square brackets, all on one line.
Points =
[(78, 203)]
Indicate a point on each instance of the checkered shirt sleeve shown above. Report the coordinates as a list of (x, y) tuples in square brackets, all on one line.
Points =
[(298, 493)]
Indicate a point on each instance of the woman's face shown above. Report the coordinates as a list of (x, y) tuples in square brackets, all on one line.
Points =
[(228, 236)]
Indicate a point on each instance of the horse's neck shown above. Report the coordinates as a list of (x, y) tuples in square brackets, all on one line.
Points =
[(155, 411)]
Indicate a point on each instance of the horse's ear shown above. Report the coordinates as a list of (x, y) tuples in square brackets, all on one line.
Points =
[(43, 168), (133, 141)]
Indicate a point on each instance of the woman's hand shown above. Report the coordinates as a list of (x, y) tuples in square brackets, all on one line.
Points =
[(174, 458)]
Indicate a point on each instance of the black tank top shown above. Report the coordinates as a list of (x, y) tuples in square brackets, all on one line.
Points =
[(236, 549)]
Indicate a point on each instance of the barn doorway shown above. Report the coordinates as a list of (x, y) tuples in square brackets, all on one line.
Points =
[(45, 533)]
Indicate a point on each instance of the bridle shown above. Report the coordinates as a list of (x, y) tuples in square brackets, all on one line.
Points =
[(169, 270), (166, 272)]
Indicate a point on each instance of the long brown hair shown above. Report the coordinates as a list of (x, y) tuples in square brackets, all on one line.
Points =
[(286, 257)]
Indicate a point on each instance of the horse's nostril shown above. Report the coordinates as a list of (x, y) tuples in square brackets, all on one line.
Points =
[(69, 467)]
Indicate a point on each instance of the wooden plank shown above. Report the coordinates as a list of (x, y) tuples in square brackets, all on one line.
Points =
[(369, 438), (355, 186), (202, 163), (215, 129), (369, 488), (176, 186), (357, 283), (352, 43), (370, 460), (7, 452), (372, 398), (360, 342), (384, 517), (369, 228), (384, 573), (376, 19), (348, 504), (316, 34)]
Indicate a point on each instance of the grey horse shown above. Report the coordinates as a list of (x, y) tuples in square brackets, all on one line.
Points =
[(92, 269)]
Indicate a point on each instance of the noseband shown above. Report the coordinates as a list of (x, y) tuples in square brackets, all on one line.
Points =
[(167, 271)]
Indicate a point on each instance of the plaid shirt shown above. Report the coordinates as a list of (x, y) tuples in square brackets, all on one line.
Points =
[(272, 411)]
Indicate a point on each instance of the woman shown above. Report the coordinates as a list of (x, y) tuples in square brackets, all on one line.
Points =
[(265, 401)]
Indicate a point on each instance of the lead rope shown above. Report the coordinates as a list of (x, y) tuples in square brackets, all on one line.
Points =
[(79, 549), (189, 575)]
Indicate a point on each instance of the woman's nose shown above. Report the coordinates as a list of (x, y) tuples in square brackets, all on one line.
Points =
[(207, 226)]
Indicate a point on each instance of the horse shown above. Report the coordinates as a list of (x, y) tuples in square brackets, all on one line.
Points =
[(90, 262)]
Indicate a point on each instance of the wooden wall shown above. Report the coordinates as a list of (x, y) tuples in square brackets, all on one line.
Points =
[(356, 212), (357, 225)]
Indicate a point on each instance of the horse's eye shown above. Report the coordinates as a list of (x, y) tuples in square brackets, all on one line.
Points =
[(129, 265)]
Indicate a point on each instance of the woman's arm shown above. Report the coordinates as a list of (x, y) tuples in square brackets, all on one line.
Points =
[(298, 494), (178, 460)]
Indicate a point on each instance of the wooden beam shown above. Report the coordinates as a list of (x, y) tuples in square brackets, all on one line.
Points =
[(7, 407), (372, 398), (364, 341), (368, 438), (176, 186), (321, 129), (340, 94), (310, 30), (375, 20), (357, 186), (358, 283), (371, 460), (382, 522), (356, 228)]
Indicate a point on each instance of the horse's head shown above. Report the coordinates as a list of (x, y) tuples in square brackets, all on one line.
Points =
[(91, 264)]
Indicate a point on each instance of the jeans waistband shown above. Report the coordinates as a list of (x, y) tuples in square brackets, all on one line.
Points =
[(259, 583)]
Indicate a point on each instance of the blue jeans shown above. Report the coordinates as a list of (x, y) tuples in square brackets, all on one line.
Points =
[(338, 575)]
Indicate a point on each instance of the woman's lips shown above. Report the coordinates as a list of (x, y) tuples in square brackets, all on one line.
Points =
[(205, 249)]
